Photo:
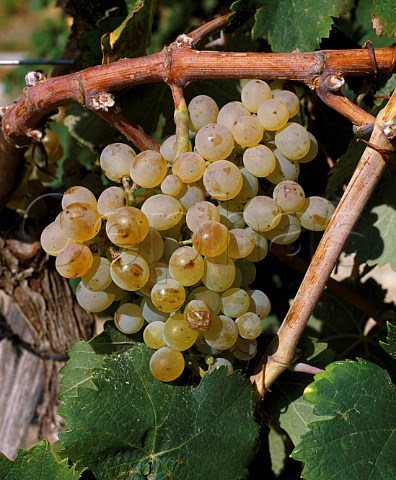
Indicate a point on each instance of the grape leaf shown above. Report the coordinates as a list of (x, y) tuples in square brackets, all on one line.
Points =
[(300, 24), (133, 425), (362, 26), (279, 449), (390, 345), (359, 440), (384, 17), (38, 463)]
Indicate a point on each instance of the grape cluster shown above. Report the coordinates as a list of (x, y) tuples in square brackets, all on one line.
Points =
[(176, 240)]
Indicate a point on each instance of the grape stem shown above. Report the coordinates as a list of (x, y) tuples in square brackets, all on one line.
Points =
[(181, 119), (280, 353)]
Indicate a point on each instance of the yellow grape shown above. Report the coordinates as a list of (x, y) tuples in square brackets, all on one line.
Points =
[(74, 260), (166, 364), (177, 334)]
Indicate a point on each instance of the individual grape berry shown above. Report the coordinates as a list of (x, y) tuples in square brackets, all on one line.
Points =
[(98, 277), (262, 213), (151, 248), (208, 297), (171, 185), (230, 112), (189, 167), (74, 260), (214, 142), (168, 296), (250, 186), (128, 318), (166, 364), (186, 266), (115, 161), (287, 231), (254, 93), (241, 243), (93, 301), (316, 213), (259, 160), (110, 200), (234, 302), (244, 349), (53, 239), (162, 211), (293, 141), (189, 195), (247, 131), (248, 270), (129, 271), (222, 333), (78, 195), (127, 226), (153, 335), (202, 110), (201, 212), (260, 246), (177, 334), (211, 239), (273, 114), (289, 196), (312, 152), (259, 303), (284, 169), (231, 214), (249, 325), (151, 313), (159, 273), (80, 221), (219, 273), (223, 180), (148, 168), (290, 99), (168, 149), (198, 315)]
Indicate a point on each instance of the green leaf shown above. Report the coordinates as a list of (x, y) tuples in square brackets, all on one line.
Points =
[(133, 425), (38, 463), (390, 345), (278, 443), (363, 27), (297, 25), (359, 440), (384, 17), (132, 37), (85, 356)]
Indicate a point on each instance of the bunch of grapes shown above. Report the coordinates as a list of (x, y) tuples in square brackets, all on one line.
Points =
[(176, 239)]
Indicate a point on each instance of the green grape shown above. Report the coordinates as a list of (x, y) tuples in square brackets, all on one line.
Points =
[(250, 186), (115, 161), (148, 169), (111, 199), (238, 278), (315, 214), (78, 195), (290, 99), (189, 195), (93, 301), (202, 110), (230, 112), (244, 349), (223, 180), (168, 296), (208, 297), (189, 167), (74, 260), (153, 335), (222, 333), (171, 185), (231, 214), (259, 303), (198, 315), (289, 196), (247, 131), (168, 149), (312, 152), (260, 246), (128, 318), (53, 239), (150, 313), (259, 161), (80, 221), (254, 93), (178, 335), (159, 272), (248, 271), (151, 248), (262, 213), (166, 364), (162, 211), (129, 271), (221, 362), (293, 141), (186, 266), (241, 243), (127, 226), (211, 238), (249, 325), (234, 302), (219, 273), (214, 142), (98, 277), (287, 231), (284, 169), (273, 114), (201, 212)]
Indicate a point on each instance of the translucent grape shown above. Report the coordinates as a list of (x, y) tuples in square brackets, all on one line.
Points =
[(312, 152), (74, 260), (210, 298), (128, 318), (53, 239), (219, 272), (290, 99), (259, 161), (284, 169), (98, 277), (222, 333), (230, 112), (152, 335), (129, 271), (78, 194), (148, 169), (159, 273), (223, 180), (189, 195), (238, 278), (262, 213), (127, 226), (250, 186), (292, 141), (171, 185), (248, 270), (273, 114), (168, 149), (254, 93), (189, 167), (287, 231), (202, 110), (115, 161), (170, 246), (162, 211), (201, 212), (110, 200), (177, 334), (315, 214), (289, 196), (151, 313), (231, 214), (214, 142), (93, 301), (260, 246), (166, 364), (198, 315), (247, 131), (80, 221), (186, 266), (168, 296), (152, 247), (241, 243), (234, 302), (249, 325), (244, 349), (211, 238), (259, 303)]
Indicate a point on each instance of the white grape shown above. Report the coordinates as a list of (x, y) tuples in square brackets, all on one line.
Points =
[(115, 161)]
